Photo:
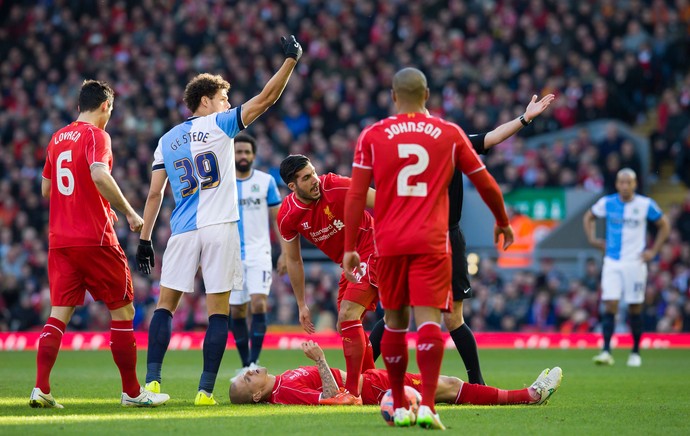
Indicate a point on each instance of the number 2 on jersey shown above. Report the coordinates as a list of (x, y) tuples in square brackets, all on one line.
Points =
[(206, 165), (404, 188)]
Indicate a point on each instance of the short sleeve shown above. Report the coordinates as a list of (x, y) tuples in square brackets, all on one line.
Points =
[(272, 196), (654, 212), (465, 158), (363, 152), (158, 162), (98, 150), (48, 166), (599, 208), (287, 230), (230, 121), (477, 142)]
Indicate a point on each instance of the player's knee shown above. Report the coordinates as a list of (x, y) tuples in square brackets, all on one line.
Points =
[(259, 304), (349, 312), (238, 311), (453, 320)]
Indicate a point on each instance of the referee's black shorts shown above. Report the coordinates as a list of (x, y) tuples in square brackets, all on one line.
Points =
[(461, 281)]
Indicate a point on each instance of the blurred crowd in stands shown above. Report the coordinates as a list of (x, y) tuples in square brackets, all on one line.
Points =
[(628, 61)]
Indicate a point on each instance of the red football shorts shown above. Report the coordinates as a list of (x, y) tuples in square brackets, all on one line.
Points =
[(415, 280), (103, 271), (365, 292), (376, 384)]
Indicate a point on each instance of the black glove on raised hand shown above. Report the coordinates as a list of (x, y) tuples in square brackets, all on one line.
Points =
[(146, 258), (291, 47)]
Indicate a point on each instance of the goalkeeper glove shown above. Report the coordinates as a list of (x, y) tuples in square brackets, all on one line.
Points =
[(145, 256), (291, 48)]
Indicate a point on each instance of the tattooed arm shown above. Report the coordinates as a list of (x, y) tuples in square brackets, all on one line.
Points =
[(314, 352)]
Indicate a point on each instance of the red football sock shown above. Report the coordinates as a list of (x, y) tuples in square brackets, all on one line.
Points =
[(479, 395), (354, 347), (429, 357), (124, 349), (395, 356), (48, 348), (368, 362)]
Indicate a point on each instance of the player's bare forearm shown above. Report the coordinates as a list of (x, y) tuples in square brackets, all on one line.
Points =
[(330, 387), (664, 229), (106, 185), (45, 188), (295, 271), (256, 106), (151, 210)]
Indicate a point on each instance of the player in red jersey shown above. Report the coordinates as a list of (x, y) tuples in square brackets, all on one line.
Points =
[(322, 385), (84, 253), (412, 157), (315, 209)]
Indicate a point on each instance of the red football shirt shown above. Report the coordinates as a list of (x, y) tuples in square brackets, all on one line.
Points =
[(412, 158), (301, 386), (322, 222), (79, 215)]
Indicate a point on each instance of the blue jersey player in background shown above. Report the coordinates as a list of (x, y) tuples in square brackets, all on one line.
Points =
[(198, 158), (624, 273), (259, 201)]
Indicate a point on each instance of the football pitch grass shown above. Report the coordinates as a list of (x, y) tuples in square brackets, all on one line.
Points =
[(617, 400)]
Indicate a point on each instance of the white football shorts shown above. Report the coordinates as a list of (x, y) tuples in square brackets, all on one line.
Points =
[(214, 248), (623, 280), (257, 280)]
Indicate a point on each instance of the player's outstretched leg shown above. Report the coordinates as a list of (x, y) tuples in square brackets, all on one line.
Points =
[(547, 383), (214, 347)]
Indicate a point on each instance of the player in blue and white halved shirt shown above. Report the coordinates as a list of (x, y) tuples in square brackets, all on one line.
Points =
[(259, 201), (624, 273)]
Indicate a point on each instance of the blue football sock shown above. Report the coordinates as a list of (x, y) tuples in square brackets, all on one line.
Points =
[(160, 331), (214, 346), (258, 332), (608, 324), (636, 330), (241, 335)]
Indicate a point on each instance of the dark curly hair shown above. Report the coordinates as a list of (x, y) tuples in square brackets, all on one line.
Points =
[(203, 85), (93, 93)]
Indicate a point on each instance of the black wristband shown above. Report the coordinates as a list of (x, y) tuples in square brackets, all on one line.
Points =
[(524, 121), (145, 242)]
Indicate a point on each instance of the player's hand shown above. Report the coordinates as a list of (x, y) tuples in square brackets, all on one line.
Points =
[(291, 48), (599, 244), (351, 266), (146, 258), (313, 351), (135, 222), (281, 265), (535, 108), (305, 319), (648, 255), (508, 237)]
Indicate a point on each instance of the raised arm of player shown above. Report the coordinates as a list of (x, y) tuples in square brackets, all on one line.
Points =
[(356, 199), (252, 109), (506, 130), (314, 352), (295, 270), (108, 188), (145, 253)]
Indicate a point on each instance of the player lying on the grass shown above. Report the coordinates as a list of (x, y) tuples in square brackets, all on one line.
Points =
[(320, 384)]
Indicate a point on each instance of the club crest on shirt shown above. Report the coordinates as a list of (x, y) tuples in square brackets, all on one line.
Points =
[(255, 188), (329, 214)]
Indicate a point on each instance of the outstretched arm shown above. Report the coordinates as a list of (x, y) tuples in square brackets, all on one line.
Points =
[(506, 130), (314, 352), (252, 109)]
